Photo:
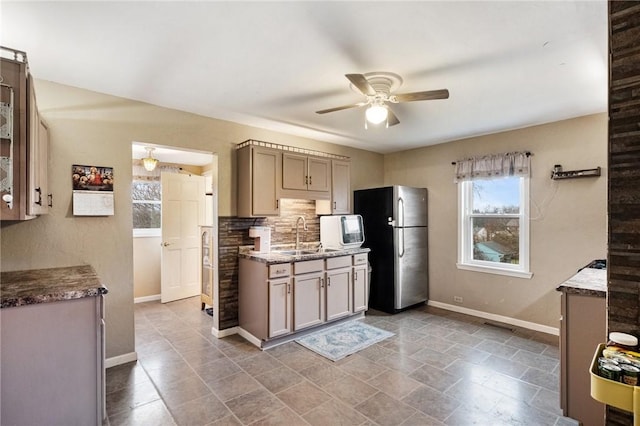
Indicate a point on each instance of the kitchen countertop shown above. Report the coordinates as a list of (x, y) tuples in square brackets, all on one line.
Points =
[(273, 257), (30, 287), (588, 282)]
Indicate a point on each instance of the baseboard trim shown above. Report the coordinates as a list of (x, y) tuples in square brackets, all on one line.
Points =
[(143, 299), (120, 359), (224, 333), (494, 317), (250, 337)]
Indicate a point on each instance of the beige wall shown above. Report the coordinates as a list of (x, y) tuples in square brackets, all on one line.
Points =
[(146, 266), (568, 217), (90, 128)]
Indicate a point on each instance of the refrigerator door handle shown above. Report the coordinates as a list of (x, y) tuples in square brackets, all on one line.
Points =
[(400, 242), (400, 211)]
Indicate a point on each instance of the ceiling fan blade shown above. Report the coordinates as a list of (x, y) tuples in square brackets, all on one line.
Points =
[(392, 120), (422, 96), (361, 82), (340, 108)]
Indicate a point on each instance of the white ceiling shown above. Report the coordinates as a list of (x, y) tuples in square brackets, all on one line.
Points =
[(507, 64)]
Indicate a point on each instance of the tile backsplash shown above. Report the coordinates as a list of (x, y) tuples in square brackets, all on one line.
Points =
[(234, 232)]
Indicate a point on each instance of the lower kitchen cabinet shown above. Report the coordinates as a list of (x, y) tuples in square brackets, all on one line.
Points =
[(52, 355), (583, 327), (360, 288), (275, 300), (280, 311), (308, 294), (338, 304)]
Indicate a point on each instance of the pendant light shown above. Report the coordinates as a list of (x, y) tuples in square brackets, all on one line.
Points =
[(149, 162)]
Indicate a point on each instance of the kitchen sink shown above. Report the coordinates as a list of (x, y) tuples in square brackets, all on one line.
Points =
[(302, 252), (293, 252)]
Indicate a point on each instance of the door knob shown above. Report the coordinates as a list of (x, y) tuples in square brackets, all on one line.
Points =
[(165, 244)]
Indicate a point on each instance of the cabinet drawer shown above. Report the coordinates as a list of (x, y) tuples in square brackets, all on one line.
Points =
[(308, 266), (360, 259), (338, 262), (279, 270)]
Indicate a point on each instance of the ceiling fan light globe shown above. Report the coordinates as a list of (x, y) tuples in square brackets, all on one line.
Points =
[(376, 114)]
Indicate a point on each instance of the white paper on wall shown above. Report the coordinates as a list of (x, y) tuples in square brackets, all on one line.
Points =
[(92, 203)]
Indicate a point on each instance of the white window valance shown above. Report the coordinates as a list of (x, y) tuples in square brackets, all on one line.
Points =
[(493, 166)]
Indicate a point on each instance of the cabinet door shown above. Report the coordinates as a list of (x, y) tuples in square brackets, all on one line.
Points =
[(265, 181), (294, 171), (279, 307), (38, 197), (338, 293), (319, 174), (308, 300), (341, 187), (360, 296)]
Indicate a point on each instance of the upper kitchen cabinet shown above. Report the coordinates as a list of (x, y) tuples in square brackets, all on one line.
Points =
[(306, 173), (268, 172), (259, 181), (38, 198), (24, 140), (340, 202)]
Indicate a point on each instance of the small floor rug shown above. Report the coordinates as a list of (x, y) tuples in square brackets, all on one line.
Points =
[(342, 340)]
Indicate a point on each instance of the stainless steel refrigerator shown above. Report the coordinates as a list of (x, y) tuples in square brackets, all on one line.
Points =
[(395, 228)]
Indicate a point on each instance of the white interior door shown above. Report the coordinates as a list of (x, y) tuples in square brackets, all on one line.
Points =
[(183, 208)]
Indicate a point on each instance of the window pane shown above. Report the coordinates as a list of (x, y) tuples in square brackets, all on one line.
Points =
[(150, 191), (496, 196), (496, 239), (146, 215)]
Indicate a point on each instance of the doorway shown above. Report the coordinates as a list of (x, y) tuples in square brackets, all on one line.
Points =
[(147, 219)]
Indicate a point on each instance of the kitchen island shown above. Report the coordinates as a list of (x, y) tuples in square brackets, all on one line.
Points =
[(583, 325), (52, 351), (286, 293)]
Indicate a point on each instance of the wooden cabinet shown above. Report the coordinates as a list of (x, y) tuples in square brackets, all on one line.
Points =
[(279, 299), (264, 299), (338, 288), (269, 172), (307, 173), (259, 181), (340, 201), (360, 283), (308, 294), (38, 197), (53, 363), (280, 311), (24, 141), (583, 326), (341, 187)]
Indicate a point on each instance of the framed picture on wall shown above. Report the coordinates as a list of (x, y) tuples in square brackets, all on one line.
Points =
[(92, 178)]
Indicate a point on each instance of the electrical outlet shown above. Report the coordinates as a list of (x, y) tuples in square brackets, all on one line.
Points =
[(457, 299)]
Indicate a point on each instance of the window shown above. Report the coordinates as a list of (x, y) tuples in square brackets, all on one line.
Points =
[(494, 225), (146, 198)]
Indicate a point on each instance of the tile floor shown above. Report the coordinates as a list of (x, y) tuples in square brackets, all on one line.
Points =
[(440, 368)]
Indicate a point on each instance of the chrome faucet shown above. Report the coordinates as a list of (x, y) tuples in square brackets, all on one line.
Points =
[(304, 227)]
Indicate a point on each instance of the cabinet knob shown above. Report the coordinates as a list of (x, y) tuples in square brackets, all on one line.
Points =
[(8, 198), (164, 244)]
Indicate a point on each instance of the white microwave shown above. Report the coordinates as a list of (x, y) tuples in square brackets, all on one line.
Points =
[(341, 232)]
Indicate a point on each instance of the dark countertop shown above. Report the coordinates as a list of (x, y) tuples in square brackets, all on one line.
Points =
[(273, 257), (30, 287), (587, 282)]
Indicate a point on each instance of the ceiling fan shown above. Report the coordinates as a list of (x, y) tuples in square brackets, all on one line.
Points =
[(378, 87)]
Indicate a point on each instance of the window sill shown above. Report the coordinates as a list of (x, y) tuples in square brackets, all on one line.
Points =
[(144, 233), (496, 271)]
